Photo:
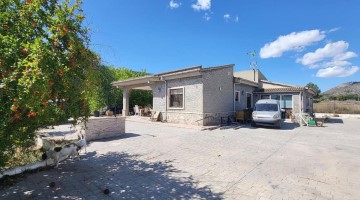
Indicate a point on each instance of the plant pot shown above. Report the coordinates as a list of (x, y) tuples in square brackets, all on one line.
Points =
[(109, 113), (96, 113)]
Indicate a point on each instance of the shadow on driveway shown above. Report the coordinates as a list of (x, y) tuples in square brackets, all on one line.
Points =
[(124, 176), (236, 126), (122, 136), (335, 121)]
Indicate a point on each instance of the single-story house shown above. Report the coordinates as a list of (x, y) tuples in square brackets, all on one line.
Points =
[(204, 96)]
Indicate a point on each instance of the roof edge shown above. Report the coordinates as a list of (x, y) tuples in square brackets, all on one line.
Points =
[(277, 83), (217, 67), (180, 70)]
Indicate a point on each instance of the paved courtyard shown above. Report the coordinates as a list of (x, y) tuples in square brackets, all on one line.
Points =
[(157, 161)]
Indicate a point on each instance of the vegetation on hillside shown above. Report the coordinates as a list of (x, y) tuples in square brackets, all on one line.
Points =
[(342, 99), (343, 92)]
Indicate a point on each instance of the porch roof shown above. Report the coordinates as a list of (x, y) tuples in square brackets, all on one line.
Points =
[(284, 89), (143, 83)]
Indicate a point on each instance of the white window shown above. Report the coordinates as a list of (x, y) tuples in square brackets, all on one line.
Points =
[(176, 98), (265, 96), (275, 96), (237, 96), (286, 101)]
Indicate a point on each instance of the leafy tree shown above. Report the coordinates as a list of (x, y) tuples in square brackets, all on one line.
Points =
[(103, 94), (315, 88), (46, 69)]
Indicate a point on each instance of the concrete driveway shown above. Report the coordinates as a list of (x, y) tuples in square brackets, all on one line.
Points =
[(157, 161)]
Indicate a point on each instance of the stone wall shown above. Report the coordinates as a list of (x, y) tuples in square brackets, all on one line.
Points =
[(296, 104), (218, 90), (104, 127), (185, 118), (159, 101), (242, 104), (197, 119), (193, 88), (215, 118), (193, 96)]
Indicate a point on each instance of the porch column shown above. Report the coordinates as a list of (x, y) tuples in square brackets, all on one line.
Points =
[(125, 111)]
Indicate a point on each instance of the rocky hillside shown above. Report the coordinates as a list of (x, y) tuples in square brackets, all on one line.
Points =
[(344, 89)]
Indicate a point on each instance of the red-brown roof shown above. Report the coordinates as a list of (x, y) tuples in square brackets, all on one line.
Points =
[(284, 89)]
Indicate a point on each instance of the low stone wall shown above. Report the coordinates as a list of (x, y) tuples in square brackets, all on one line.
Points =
[(215, 118), (197, 119), (185, 118), (104, 127)]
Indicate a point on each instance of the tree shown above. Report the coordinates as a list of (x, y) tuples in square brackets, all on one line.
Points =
[(103, 94), (45, 69), (315, 88)]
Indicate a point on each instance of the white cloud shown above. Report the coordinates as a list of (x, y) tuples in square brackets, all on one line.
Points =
[(291, 42), (333, 30), (236, 19), (340, 63), (227, 17), (337, 71), (329, 51), (207, 16), (202, 5), (345, 56), (332, 59), (174, 5)]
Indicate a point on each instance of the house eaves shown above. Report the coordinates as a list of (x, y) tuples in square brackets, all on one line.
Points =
[(136, 82), (238, 80), (280, 90), (183, 73), (184, 70), (145, 81), (217, 67), (280, 84)]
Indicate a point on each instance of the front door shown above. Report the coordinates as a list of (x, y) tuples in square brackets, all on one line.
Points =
[(248, 100)]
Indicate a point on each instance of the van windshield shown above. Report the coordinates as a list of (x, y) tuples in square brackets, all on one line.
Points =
[(266, 107)]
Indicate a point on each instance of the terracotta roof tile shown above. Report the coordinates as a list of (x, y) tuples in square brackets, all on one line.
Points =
[(285, 89)]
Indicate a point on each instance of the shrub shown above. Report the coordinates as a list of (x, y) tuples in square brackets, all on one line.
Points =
[(45, 69)]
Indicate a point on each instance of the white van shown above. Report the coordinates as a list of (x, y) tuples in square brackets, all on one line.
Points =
[(267, 112)]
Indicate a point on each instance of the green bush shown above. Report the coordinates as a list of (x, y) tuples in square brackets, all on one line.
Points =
[(46, 69)]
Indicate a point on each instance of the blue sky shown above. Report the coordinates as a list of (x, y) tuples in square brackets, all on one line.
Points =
[(296, 42)]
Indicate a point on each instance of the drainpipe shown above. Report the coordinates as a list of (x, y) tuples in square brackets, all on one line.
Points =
[(254, 75), (300, 114), (234, 97), (301, 102), (166, 100)]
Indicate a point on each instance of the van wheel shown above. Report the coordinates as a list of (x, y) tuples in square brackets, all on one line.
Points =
[(253, 124), (278, 126)]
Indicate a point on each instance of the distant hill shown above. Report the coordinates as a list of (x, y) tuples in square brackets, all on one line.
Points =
[(344, 89)]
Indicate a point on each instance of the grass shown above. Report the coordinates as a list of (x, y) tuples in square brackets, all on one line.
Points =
[(338, 107)]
